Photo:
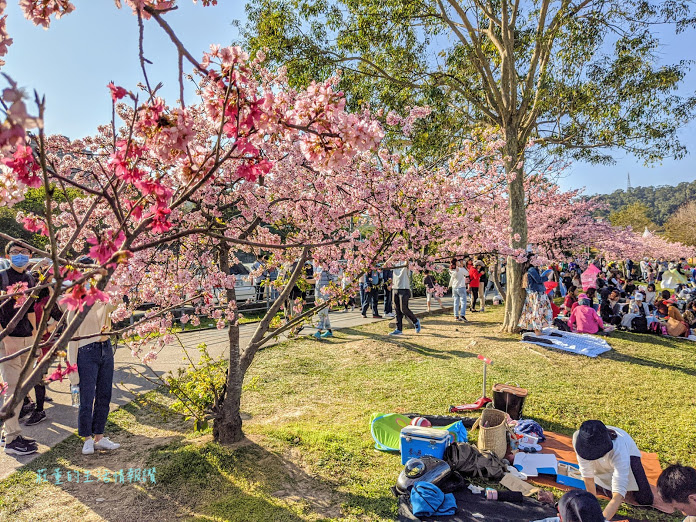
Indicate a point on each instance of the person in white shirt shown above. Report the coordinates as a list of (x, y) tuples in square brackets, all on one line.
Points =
[(677, 487), (94, 357), (459, 279), (610, 463), (401, 285)]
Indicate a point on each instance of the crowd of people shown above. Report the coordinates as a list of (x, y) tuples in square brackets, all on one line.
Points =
[(617, 296)]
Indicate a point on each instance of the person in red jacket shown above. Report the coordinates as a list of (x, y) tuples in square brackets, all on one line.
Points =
[(474, 282)]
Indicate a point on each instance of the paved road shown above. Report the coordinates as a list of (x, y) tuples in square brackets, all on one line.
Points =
[(61, 419)]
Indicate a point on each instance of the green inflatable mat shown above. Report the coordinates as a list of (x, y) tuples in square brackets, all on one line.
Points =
[(386, 430)]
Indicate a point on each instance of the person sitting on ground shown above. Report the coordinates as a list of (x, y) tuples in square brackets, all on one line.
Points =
[(577, 282), (584, 318), (663, 303), (676, 325), (591, 294), (630, 287), (677, 487), (601, 280), (608, 310), (690, 313), (570, 299), (577, 506), (650, 295), (610, 464), (567, 279)]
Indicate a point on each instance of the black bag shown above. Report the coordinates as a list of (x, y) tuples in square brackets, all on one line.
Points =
[(639, 324), (470, 462), (561, 325)]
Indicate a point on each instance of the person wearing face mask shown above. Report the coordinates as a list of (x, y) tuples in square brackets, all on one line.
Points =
[(21, 336)]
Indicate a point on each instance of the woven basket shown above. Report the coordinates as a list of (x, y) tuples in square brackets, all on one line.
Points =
[(494, 436)]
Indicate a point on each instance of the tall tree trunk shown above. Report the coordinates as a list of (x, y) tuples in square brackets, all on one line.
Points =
[(515, 294), (227, 427), (496, 277)]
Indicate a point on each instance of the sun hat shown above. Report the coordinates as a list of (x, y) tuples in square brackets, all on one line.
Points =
[(639, 296), (592, 440), (583, 296)]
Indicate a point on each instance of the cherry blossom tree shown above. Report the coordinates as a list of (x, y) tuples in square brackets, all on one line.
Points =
[(173, 192)]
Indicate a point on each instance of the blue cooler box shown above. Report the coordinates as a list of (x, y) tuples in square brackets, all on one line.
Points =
[(417, 441)]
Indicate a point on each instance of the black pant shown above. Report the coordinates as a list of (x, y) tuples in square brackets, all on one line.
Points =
[(644, 495), (370, 297), (401, 298), (474, 296), (40, 391), (387, 301)]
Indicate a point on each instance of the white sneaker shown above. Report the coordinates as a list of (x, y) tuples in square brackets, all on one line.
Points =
[(106, 444), (88, 447)]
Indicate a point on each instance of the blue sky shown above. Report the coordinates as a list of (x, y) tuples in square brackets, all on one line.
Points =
[(72, 62)]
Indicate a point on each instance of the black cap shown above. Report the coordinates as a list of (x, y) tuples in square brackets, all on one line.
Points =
[(580, 506), (593, 440)]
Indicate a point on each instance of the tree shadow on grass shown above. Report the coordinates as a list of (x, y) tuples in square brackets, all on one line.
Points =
[(632, 359), (406, 343), (196, 479)]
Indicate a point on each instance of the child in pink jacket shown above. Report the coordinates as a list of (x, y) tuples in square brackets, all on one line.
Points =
[(584, 318)]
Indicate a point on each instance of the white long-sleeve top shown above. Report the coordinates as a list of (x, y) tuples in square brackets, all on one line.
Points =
[(98, 319), (458, 277), (613, 470), (401, 279)]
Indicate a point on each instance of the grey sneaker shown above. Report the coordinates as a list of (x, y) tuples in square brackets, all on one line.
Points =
[(35, 418)]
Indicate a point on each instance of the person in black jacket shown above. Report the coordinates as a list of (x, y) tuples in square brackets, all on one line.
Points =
[(609, 309)]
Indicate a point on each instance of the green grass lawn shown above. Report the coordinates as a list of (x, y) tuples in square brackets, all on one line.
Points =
[(310, 455)]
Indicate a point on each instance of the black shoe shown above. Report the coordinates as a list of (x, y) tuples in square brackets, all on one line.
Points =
[(464, 318), (376, 316), (35, 418), (365, 316), (26, 410), (20, 446), (48, 399)]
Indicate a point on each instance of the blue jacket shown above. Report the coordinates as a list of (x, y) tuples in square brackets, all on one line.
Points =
[(534, 281)]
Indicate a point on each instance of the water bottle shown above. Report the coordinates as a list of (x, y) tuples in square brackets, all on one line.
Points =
[(75, 395)]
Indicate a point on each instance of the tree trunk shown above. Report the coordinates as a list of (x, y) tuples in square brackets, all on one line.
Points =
[(227, 427), (496, 277), (515, 294)]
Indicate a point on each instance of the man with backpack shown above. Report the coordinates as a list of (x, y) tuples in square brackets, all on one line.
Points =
[(20, 337)]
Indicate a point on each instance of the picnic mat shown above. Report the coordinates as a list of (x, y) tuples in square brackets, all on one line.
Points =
[(475, 508), (562, 447), (582, 344)]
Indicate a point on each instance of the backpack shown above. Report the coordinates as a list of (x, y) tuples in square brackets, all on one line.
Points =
[(639, 324), (470, 462), (657, 328)]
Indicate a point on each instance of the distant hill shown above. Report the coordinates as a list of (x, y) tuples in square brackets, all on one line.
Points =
[(662, 201)]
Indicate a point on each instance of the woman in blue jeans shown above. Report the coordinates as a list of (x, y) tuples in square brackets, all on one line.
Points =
[(459, 278), (94, 356)]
